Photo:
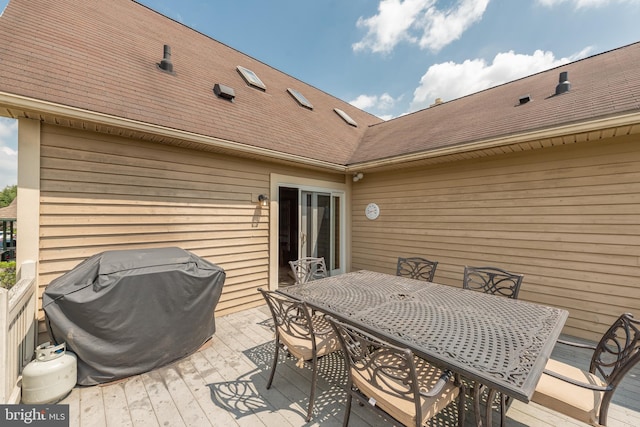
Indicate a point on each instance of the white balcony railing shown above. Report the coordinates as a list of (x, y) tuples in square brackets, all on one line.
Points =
[(18, 326)]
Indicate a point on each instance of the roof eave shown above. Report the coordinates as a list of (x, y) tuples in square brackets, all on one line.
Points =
[(45, 108), (628, 123)]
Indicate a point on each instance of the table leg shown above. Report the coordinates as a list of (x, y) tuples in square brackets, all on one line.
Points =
[(481, 421), (491, 395), (477, 396)]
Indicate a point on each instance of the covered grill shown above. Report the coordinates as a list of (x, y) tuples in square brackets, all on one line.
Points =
[(127, 312)]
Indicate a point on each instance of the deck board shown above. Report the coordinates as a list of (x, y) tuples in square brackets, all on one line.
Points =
[(240, 388), (183, 397), (139, 404), (196, 380), (224, 384), (92, 408), (161, 400), (73, 400), (115, 398)]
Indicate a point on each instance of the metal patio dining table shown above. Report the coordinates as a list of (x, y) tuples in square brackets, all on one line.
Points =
[(499, 342)]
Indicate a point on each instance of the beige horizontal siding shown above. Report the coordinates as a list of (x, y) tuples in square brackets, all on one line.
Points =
[(567, 217), (102, 192)]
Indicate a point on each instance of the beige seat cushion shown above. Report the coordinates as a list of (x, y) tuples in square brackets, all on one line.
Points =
[(326, 340), (577, 402), (404, 410)]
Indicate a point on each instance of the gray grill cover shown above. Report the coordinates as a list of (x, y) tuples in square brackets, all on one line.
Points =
[(127, 312)]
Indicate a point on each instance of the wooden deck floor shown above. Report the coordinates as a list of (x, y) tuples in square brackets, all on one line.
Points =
[(224, 384)]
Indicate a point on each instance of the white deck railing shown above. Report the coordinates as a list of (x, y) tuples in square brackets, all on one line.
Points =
[(18, 326)]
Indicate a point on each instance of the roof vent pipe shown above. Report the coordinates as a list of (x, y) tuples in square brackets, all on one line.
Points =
[(166, 63), (563, 83)]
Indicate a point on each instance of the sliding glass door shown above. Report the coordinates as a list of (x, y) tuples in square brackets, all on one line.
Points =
[(320, 227)]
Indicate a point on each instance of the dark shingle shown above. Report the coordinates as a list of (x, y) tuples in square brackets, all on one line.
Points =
[(101, 56), (601, 86)]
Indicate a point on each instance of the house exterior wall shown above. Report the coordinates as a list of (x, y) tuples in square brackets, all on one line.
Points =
[(567, 217), (101, 192)]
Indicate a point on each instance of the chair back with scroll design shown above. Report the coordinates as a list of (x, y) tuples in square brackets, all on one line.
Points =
[(304, 335), (617, 352), (416, 268), (392, 381), (492, 280), (308, 268), (586, 395)]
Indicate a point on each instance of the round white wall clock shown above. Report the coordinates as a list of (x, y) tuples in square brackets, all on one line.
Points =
[(372, 211)]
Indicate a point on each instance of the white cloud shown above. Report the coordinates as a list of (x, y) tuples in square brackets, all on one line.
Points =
[(382, 102), (386, 117), (364, 101), (579, 4), (386, 102), (376, 104), (450, 80), (8, 152), (419, 22), (442, 28), (391, 24)]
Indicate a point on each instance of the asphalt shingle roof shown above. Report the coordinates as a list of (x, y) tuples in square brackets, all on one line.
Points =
[(101, 56), (602, 85)]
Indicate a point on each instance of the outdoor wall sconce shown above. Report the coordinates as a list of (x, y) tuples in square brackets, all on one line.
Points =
[(264, 200), (357, 176)]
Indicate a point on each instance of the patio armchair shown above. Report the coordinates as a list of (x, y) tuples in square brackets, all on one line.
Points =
[(304, 335), (308, 268), (586, 395), (416, 268), (393, 381), (492, 280)]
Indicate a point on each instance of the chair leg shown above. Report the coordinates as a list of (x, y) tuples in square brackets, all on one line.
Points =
[(503, 408), (314, 380), (491, 395), (347, 413), (274, 364)]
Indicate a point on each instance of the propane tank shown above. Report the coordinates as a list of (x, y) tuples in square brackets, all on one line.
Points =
[(50, 376)]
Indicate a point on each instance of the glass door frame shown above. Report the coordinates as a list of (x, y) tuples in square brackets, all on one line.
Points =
[(332, 188), (308, 220)]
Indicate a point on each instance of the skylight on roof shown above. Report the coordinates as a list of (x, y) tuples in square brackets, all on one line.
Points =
[(251, 77), (300, 98), (345, 117)]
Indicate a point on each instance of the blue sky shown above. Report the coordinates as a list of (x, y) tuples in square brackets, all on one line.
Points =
[(391, 57)]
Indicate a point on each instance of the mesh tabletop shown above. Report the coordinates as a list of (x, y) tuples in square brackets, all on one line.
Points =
[(501, 342)]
